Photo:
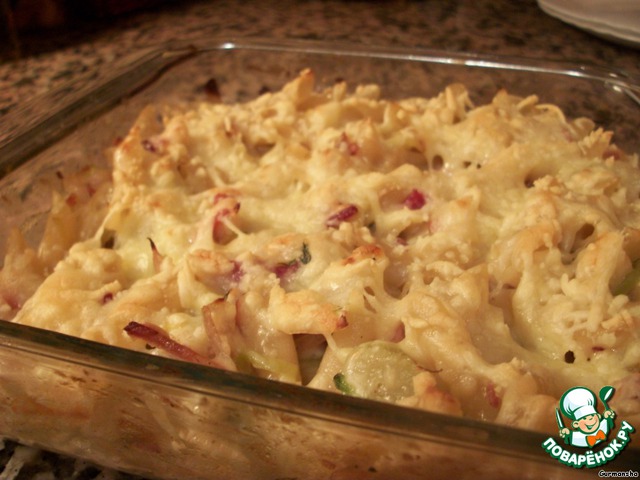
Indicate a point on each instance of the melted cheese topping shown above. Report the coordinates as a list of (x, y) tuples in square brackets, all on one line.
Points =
[(470, 261)]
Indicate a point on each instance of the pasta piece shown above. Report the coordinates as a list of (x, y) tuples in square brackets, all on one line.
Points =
[(473, 261)]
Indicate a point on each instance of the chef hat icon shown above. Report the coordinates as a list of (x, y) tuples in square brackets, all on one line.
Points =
[(578, 402)]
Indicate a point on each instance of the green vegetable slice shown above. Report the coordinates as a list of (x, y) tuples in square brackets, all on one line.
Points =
[(377, 370), (629, 281), (280, 369), (341, 384)]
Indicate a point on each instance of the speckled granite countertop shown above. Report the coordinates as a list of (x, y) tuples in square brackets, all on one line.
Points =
[(49, 59), (486, 26)]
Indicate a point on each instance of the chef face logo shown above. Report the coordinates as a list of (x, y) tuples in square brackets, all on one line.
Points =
[(587, 429)]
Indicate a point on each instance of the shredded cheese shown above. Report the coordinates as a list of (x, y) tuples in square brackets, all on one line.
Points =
[(485, 244)]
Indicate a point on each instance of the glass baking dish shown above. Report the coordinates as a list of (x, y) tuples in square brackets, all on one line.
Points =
[(164, 418)]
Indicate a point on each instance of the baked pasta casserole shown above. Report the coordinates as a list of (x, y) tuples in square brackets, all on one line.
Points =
[(472, 261)]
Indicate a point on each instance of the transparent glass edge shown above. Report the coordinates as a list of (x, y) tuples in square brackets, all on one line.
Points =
[(144, 65), (269, 394), (329, 407), (28, 129), (478, 60)]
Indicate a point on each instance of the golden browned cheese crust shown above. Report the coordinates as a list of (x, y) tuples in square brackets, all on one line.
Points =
[(474, 261)]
